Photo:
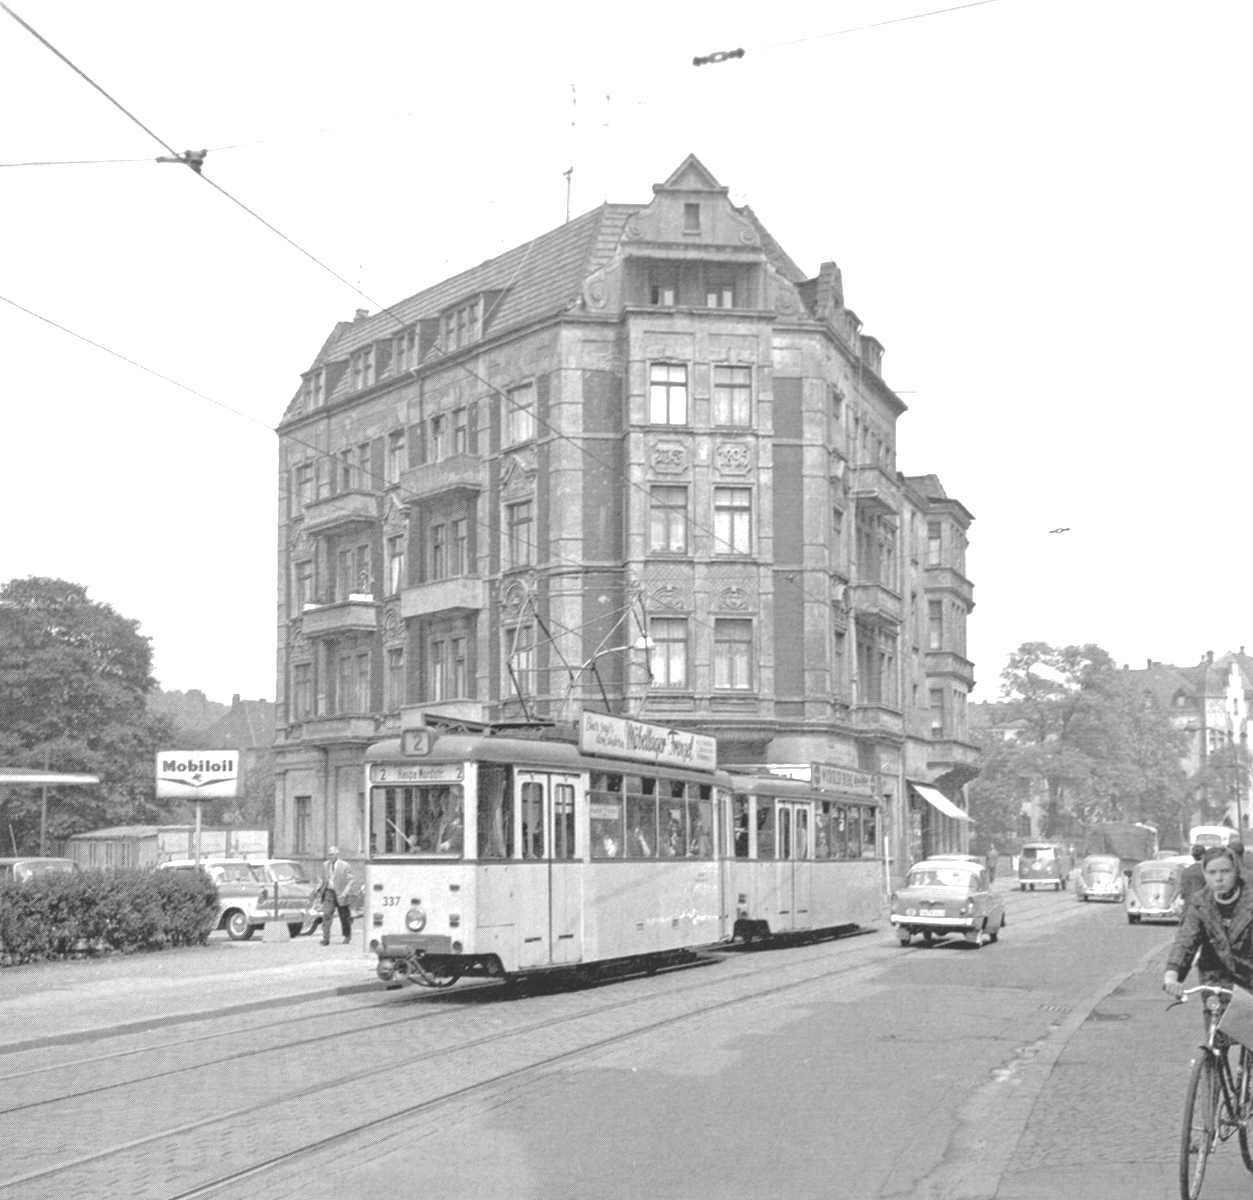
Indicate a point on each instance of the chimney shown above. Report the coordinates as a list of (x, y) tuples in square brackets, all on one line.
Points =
[(362, 313), (830, 291), (235, 700), (1209, 656)]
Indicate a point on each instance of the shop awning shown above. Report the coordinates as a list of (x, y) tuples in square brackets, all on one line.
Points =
[(939, 801)]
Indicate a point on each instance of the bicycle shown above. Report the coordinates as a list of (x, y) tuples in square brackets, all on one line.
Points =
[(1219, 1099)]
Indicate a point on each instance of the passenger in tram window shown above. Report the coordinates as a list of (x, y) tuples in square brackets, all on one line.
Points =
[(640, 847), (739, 822), (765, 827), (701, 844), (608, 847), (822, 818)]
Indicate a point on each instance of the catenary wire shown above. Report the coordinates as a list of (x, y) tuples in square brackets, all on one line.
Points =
[(348, 283)]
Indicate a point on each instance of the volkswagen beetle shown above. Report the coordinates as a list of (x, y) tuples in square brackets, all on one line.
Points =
[(1100, 878), (1153, 891)]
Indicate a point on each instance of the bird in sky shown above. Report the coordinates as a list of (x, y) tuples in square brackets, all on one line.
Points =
[(1061, 529)]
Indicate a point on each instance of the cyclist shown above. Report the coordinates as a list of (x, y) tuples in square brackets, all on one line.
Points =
[(1216, 928)]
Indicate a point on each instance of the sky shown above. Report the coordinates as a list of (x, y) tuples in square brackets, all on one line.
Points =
[(1040, 208)]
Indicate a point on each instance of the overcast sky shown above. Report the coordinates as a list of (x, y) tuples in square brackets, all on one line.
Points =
[(1040, 207)]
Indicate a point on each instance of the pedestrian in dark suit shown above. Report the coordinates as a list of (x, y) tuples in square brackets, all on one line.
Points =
[(336, 881), (1193, 878)]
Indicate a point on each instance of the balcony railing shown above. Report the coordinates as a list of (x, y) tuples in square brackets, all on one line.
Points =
[(949, 662), (355, 727), (341, 512), (877, 716), (867, 597), (449, 474), (870, 485), (464, 593), (357, 614), (942, 577)]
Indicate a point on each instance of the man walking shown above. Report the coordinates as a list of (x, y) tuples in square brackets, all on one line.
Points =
[(336, 880)]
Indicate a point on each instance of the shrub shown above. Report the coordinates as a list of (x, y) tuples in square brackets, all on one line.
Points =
[(55, 916)]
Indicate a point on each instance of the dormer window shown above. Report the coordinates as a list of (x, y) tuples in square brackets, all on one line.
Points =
[(691, 218), (315, 389), (361, 364), (404, 351), (663, 287), (461, 325)]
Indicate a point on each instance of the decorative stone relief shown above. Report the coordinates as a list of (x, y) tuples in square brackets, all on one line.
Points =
[(732, 599), (513, 597), (632, 232), (297, 643), (732, 458), (669, 597), (298, 539), (668, 458), (517, 473), (393, 625), (397, 515)]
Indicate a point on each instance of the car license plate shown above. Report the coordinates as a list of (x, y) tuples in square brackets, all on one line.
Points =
[(931, 912)]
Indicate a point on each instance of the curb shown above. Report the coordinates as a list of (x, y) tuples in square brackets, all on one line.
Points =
[(182, 1018)]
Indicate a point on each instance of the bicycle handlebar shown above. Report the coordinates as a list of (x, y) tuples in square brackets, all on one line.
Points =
[(1200, 987)]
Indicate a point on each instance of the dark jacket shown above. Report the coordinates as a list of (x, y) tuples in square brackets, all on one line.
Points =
[(1226, 954), (1192, 880)]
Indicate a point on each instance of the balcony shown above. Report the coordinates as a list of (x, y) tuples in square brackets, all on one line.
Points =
[(357, 614), (867, 598), (942, 578), (873, 487), (337, 513), (878, 718), (347, 728), (950, 663), (466, 593), (457, 472), (944, 753)]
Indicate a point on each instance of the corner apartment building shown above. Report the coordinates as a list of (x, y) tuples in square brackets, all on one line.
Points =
[(641, 464)]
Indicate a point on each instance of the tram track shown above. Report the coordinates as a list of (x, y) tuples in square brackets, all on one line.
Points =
[(497, 1048)]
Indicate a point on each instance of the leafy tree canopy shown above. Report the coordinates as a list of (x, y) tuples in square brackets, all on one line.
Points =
[(74, 681), (1084, 740)]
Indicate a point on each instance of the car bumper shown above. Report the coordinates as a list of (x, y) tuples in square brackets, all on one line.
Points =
[(920, 922)]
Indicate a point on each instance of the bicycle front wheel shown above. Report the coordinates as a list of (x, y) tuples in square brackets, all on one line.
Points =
[(1244, 1104), (1200, 1125)]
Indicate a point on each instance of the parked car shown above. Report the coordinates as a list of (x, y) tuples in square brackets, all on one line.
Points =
[(1100, 877), (22, 870), (1153, 889), (1043, 864), (246, 895), (947, 895)]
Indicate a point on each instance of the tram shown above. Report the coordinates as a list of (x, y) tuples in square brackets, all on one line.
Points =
[(499, 853)]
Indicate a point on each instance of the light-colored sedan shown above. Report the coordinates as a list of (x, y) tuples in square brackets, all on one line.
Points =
[(1100, 877), (947, 895), (1153, 891)]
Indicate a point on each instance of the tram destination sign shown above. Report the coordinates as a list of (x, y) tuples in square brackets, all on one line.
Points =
[(620, 737), (197, 774), (831, 778)]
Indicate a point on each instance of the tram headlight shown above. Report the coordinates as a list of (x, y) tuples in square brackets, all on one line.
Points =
[(415, 920)]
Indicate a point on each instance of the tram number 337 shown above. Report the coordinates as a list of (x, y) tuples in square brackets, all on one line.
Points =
[(390, 901)]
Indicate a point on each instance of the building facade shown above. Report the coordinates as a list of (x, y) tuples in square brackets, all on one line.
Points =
[(641, 464)]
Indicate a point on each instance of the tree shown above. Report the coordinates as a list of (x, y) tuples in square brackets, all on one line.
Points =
[(1086, 740), (74, 678)]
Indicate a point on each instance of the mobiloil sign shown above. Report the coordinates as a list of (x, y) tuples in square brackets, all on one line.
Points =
[(197, 774)]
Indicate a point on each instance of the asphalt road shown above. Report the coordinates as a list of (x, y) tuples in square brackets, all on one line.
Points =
[(1043, 1066)]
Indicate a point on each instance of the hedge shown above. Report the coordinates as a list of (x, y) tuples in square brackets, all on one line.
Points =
[(63, 916)]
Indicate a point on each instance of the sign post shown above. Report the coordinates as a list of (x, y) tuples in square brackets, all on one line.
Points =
[(197, 775)]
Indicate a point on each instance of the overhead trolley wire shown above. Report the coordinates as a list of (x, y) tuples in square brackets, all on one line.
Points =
[(194, 159)]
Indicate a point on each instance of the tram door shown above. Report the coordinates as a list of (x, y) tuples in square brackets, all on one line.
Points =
[(551, 892), (794, 850)]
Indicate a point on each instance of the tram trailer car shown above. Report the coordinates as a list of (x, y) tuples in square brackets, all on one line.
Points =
[(499, 856), (799, 860)]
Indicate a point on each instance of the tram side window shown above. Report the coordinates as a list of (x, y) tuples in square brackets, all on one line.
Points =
[(822, 830), (641, 820), (854, 831), (839, 831), (700, 822), (532, 820), (869, 833), (739, 825), (765, 827), (605, 812), (495, 813), (673, 822)]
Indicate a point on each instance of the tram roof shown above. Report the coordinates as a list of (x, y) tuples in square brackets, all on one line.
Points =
[(531, 752), (782, 785)]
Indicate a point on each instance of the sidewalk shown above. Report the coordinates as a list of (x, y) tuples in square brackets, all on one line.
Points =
[(56, 1003)]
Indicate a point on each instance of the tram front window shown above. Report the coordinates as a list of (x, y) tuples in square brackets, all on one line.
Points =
[(427, 819)]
